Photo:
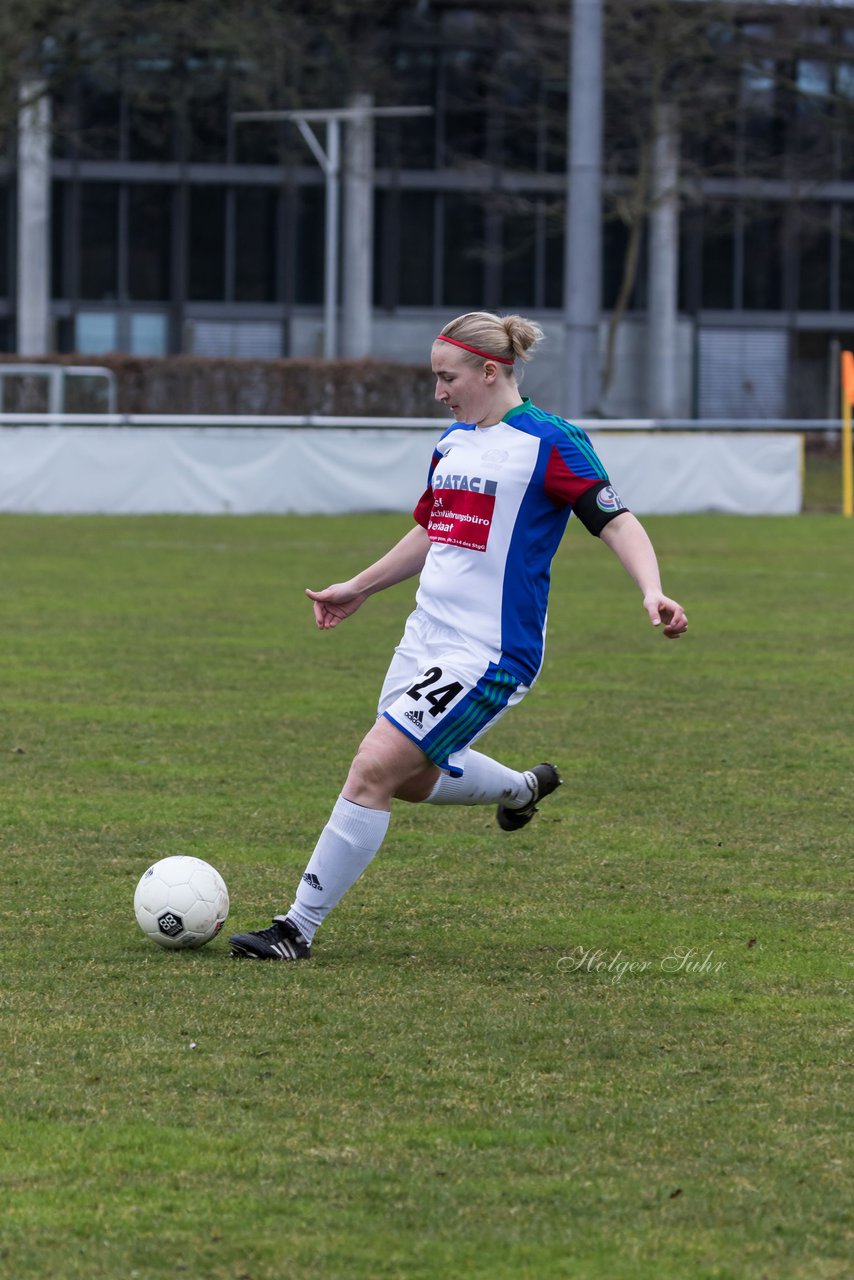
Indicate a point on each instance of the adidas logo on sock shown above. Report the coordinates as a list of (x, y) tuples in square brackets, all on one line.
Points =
[(312, 881)]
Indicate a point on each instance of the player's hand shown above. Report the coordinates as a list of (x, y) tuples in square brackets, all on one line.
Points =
[(667, 614), (334, 604)]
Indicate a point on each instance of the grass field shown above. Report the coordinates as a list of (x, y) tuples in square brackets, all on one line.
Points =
[(612, 1046), (822, 486)]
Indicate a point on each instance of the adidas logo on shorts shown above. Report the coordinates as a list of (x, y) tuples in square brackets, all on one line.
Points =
[(417, 718)]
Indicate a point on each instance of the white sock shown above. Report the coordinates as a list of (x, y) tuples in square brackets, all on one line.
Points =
[(484, 781), (346, 846)]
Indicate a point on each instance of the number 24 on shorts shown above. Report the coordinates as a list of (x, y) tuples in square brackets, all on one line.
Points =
[(438, 699)]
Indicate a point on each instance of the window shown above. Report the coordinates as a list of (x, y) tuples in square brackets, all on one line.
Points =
[(464, 252), (404, 248), (554, 253), (60, 214), (148, 334), (519, 93), (96, 332), (98, 115), (845, 80), (4, 242), (259, 141), (519, 258), (845, 110), (255, 244), (814, 135), (813, 82), (149, 242), (206, 248), (762, 115), (814, 249), (846, 259), (310, 245), (207, 114), (237, 339), (465, 114), (763, 258), (410, 143), (811, 375), (99, 251), (717, 257), (616, 246), (554, 139), (711, 127), (63, 108), (152, 95), (690, 245)]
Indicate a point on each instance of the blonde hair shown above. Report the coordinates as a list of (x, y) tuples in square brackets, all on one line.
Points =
[(505, 337)]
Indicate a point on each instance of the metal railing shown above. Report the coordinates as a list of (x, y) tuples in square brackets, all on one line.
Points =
[(366, 422)]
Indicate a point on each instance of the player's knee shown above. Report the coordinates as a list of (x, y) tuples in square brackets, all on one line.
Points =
[(370, 780)]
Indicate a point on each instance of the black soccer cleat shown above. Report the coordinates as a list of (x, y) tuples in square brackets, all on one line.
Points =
[(282, 941), (546, 780)]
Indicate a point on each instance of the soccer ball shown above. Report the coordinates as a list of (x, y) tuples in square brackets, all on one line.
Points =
[(181, 902)]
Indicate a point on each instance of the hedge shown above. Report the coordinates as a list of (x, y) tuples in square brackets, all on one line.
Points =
[(193, 384)]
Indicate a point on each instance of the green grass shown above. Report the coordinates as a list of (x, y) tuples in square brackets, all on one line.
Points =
[(495, 1065), (822, 477)]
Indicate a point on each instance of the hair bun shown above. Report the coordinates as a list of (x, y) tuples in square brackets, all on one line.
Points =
[(505, 337)]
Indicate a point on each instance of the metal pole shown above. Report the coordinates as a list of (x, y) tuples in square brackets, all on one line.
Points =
[(330, 291), (662, 392), (583, 242), (33, 297), (330, 162), (358, 231), (847, 380)]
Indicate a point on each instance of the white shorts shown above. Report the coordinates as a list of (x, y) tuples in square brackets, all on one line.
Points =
[(444, 692)]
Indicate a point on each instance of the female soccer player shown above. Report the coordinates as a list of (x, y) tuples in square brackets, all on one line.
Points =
[(502, 484)]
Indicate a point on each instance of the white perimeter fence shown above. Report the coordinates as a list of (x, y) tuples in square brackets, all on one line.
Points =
[(139, 464)]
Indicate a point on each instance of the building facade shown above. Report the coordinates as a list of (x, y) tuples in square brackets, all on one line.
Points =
[(158, 224)]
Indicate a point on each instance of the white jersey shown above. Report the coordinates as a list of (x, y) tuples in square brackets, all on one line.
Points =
[(496, 506)]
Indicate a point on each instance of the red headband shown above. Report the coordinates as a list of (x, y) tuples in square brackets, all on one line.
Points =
[(441, 337)]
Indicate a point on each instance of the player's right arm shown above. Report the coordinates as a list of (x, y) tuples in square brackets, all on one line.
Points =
[(405, 560)]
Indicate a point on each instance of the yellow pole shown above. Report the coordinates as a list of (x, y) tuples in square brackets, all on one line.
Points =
[(847, 381)]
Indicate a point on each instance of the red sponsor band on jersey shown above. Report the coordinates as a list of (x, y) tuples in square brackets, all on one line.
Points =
[(461, 518)]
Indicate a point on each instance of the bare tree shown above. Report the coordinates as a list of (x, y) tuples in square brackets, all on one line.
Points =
[(280, 53)]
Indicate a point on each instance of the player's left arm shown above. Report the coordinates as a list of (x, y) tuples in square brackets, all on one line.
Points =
[(631, 544)]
